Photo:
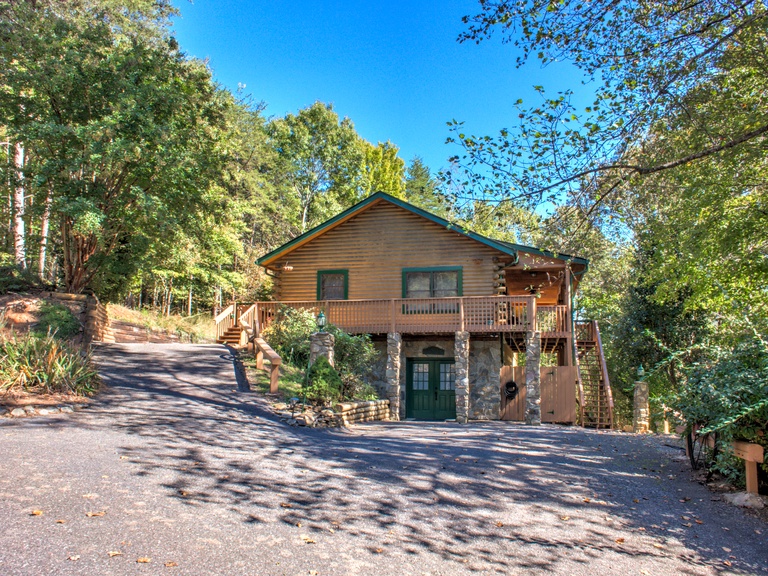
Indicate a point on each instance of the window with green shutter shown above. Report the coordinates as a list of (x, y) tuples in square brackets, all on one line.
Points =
[(332, 284)]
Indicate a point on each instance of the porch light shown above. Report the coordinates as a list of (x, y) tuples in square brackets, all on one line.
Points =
[(640, 372), (321, 321), (287, 267)]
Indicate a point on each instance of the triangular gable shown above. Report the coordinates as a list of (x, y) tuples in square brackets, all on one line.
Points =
[(504, 247)]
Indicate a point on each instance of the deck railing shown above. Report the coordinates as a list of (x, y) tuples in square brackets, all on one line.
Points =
[(481, 314)]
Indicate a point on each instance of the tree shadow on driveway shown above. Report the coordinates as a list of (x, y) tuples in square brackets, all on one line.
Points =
[(485, 497)]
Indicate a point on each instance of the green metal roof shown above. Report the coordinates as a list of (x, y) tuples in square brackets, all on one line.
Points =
[(505, 247)]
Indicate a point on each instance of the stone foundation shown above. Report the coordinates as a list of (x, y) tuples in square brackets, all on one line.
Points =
[(461, 358), (533, 378), (642, 416), (484, 369), (394, 389)]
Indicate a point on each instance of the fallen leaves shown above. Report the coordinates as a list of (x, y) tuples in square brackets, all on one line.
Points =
[(143, 560), (73, 557), (95, 514), (565, 518), (619, 540), (171, 564), (285, 505), (36, 513), (61, 521), (727, 563), (499, 524), (307, 539), (114, 553)]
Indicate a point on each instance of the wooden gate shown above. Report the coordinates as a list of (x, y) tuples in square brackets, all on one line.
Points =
[(558, 393)]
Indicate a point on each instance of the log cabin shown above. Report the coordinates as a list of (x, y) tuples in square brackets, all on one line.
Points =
[(466, 327)]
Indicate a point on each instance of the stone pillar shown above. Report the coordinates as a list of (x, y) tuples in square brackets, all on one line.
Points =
[(533, 378), (394, 349), (321, 344), (461, 357), (641, 420)]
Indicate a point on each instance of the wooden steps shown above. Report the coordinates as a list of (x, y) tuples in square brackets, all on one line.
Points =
[(231, 337), (597, 407)]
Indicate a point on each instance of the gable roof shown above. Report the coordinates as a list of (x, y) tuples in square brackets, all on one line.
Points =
[(378, 197)]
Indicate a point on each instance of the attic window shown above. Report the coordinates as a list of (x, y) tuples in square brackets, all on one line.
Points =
[(438, 282), (332, 284)]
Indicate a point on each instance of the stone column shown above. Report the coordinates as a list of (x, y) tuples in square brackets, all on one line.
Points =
[(533, 378), (394, 349), (321, 344), (461, 357), (641, 420)]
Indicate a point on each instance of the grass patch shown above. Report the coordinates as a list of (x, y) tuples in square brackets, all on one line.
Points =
[(56, 320), (45, 365), (291, 377), (198, 328)]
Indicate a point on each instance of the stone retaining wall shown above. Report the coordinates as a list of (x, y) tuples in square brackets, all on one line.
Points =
[(484, 388), (355, 412)]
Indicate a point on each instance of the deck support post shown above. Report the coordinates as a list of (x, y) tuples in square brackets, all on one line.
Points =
[(533, 378), (461, 359), (394, 350), (642, 415)]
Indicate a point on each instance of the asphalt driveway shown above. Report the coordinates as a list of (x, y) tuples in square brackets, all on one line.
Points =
[(176, 463)]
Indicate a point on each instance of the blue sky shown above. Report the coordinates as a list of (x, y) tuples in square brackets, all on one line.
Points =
[(395, 68)]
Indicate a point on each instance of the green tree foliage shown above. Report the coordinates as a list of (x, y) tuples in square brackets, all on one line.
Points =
[(124, 129), (650, 62), (423, 190), (323, 385), (321, 162), (384, 170)]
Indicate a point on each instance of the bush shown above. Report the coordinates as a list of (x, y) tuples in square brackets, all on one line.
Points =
[(57, 320), (45, 365), (353, 357), (323, 383), (289, 334), (727, 393)]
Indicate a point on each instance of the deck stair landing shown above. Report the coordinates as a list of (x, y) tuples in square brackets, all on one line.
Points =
[(231, 336), (595, 394)]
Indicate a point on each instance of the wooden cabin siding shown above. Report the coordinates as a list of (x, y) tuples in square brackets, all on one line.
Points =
[(375, 246)]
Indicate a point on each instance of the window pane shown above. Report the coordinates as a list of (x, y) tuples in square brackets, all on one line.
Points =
[(332, 287), (446, 284), (421, 376), (417, 285), (447, 377)]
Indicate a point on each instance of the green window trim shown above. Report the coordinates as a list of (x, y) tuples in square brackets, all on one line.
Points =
[(458, 269), (320, 274)]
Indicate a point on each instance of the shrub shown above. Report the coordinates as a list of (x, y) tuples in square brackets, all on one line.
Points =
[(289, 334), (57, 320), (45, 364), (353, 357), (727, 392), (323, 383)]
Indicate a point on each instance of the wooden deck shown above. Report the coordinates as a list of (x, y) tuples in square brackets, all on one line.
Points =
[(478, 315)]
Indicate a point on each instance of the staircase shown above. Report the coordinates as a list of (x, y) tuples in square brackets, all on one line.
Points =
[(595, 388), (231, 336)]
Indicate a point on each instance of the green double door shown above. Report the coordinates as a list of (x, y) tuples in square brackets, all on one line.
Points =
[(430, 389)]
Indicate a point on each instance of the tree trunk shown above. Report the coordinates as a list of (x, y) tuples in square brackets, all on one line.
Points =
[(170, 298), (19, 249), (44, 224), (189, 297)]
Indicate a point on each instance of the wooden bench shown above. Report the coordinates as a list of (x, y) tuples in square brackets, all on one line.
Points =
[(261, 349)]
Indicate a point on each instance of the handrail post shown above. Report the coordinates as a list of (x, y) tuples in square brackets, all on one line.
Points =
[(392, 317), (461, 314), (256, 320), (532, 313)]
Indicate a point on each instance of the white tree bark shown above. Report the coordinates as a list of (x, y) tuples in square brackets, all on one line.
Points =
[(19, 248), (44, 225)]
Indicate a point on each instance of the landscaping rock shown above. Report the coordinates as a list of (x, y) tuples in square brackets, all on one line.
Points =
[(745, 500), (628, 428), (280, 406), (309, 419), (46, 411), (66, 409), (291, 422), (18, 412), (29, 409)]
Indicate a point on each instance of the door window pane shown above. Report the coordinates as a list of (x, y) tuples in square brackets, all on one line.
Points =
[(447, 377), (421, 376)]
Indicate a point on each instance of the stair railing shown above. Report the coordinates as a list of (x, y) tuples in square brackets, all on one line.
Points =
[(224, 321), (604, 371)]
